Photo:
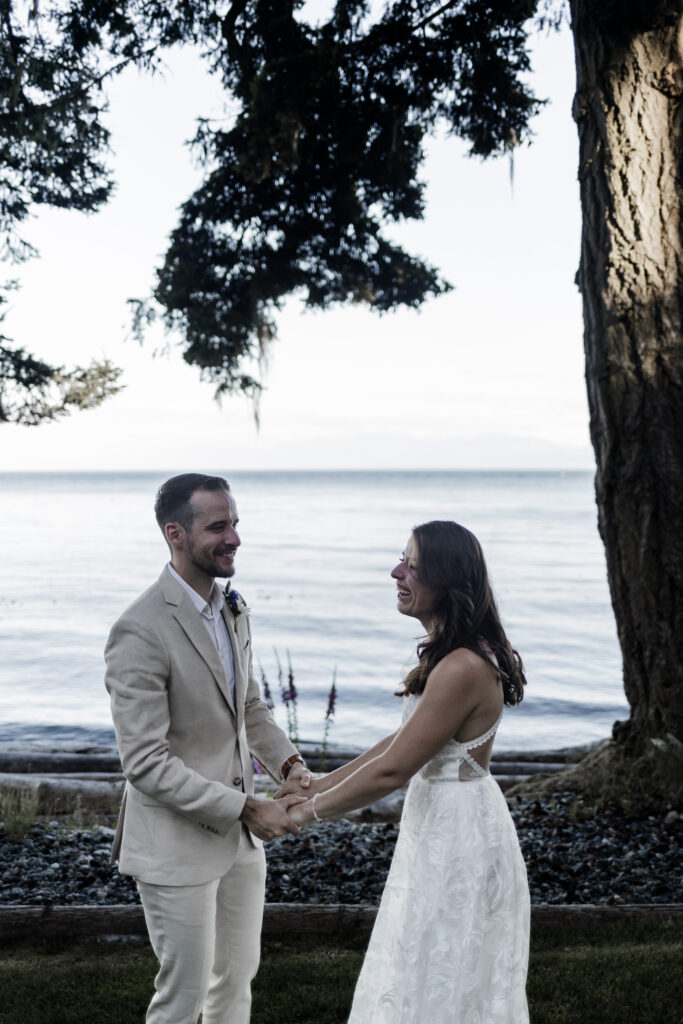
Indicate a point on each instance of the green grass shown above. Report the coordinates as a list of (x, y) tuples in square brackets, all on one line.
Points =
[(18, 810), (579, 975), (305, 982), (607, 974)]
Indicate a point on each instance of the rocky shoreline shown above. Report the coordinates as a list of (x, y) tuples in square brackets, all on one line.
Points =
[(573, 853)]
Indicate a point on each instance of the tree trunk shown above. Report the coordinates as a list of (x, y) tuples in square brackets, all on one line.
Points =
[(629, 60)]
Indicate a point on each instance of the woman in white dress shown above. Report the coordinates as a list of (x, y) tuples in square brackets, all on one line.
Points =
[(451, 939)]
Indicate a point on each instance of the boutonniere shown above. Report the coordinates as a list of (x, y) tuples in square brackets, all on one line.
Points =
[(235, 601)]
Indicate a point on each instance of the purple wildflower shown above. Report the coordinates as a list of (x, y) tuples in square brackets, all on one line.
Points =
[(290, 679), (267, 695), (331, 700)]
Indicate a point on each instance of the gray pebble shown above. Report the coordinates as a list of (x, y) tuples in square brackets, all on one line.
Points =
[(574, 854)]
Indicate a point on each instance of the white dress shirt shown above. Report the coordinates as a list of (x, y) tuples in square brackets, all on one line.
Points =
[(212, 618)]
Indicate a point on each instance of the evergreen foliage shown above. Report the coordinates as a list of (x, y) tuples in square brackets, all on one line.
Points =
[(51, 143), (324, 149)]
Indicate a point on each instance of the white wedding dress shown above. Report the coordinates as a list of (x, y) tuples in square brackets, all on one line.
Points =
[(451, 940)]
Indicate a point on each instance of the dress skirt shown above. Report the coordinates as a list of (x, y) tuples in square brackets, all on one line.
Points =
[(451, 939)]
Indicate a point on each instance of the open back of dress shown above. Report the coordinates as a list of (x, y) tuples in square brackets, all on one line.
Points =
[(456, 761)]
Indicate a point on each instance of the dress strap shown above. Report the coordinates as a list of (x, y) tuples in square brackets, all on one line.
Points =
[(471, 744)]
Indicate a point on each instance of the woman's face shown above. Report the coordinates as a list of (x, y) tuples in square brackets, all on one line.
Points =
[(414, 597)]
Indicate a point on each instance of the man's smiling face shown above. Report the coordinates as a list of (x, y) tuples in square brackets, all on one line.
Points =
[(212, 540), (207, 548)]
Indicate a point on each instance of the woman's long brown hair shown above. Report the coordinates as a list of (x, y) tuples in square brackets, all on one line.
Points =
[(451, 560)]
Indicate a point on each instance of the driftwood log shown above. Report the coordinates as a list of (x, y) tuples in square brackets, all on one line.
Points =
[(73, 781), (57, 762)]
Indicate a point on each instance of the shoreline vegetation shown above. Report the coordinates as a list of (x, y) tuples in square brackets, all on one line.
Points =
[(56, 834), (58, 806)]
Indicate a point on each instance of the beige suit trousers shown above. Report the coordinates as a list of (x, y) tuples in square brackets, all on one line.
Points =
[(207, 940)]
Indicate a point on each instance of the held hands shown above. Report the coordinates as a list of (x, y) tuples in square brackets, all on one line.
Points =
[(301, 813), (305, 786), (287, 812), (298, 782), (268, 819)]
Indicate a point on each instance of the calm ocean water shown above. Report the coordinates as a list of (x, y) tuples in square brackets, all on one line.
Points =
[(317, 548)]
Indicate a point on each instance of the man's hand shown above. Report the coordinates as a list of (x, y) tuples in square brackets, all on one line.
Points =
[(268, 819), (298, 783)]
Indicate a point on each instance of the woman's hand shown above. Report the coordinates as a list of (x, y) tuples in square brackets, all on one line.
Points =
[(301, 813), (301, 784)]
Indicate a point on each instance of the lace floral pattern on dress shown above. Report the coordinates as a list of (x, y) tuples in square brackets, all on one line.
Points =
[(450, 943)]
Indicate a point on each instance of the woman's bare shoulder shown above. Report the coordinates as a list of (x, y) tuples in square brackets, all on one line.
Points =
[(462, 665), (466, 681), (461, 674)]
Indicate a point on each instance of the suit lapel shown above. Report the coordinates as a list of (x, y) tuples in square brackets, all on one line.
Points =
[(198, 636), (190, 622)]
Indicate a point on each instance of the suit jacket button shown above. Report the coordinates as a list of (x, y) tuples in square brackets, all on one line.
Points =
[(237, 781)]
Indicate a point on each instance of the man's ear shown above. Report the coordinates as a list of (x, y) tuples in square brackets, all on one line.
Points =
[(175, 536)]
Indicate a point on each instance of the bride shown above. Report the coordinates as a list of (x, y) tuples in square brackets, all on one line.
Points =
[(451, 938)]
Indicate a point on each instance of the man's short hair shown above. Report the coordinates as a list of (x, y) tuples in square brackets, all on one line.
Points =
[(173, 505)]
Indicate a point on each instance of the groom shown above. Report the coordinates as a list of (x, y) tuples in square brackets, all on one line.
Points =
[(187, 715)]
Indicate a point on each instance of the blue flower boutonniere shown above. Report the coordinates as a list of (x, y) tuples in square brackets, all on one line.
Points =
[(236, 602)]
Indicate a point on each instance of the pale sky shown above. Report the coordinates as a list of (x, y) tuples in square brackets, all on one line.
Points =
[(490, 376)]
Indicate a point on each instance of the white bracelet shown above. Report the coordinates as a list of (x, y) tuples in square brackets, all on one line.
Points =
[(315, 813)]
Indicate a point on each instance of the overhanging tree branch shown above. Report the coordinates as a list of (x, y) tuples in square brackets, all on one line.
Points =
[(325, 150)]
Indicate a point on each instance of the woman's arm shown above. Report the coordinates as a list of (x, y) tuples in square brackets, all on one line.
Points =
[(325, 782), (339, 774), (452, 692)]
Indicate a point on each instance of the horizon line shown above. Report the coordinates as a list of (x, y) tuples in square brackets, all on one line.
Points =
[(313, 469)]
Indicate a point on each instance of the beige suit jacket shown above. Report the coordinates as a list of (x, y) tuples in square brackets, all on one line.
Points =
[(184, 742)]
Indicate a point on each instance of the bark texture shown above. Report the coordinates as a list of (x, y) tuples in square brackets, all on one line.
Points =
[(629, 112)]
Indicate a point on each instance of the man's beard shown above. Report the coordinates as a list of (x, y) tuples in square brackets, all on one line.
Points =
[(211, 568)]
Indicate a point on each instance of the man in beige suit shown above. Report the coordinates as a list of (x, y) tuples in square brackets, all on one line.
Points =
[(188, 715)]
